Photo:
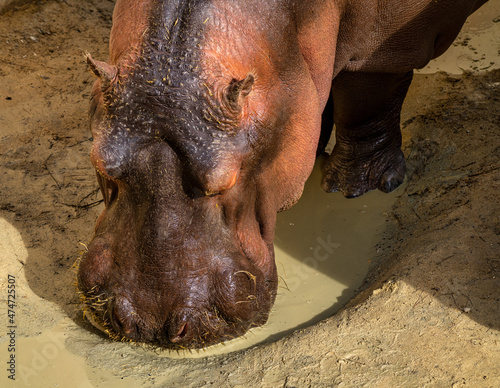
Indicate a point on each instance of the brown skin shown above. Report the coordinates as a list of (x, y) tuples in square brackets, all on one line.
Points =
[(206, 122)]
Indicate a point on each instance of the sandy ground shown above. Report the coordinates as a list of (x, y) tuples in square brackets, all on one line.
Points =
[(427, 315)]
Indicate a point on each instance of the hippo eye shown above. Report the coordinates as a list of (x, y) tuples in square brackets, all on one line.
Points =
[(109, 189)]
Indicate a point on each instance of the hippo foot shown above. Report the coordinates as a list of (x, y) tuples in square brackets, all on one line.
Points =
[(356, 177)]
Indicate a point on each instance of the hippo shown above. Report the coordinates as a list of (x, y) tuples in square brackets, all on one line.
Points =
[(207, 118)]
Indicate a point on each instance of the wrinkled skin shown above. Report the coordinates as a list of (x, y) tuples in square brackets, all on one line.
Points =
[(207, 118)]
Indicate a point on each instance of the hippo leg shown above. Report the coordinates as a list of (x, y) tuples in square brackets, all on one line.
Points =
[(367, 153)]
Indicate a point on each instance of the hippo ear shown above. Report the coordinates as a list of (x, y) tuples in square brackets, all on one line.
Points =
[(238, 90), (104, 71)]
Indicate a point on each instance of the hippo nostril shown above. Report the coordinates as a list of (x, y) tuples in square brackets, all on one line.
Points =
[(117, 322), (183, 331), (180, 333), (124, 318)]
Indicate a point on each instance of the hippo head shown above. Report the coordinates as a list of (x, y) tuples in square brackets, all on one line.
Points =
[(193, 165)]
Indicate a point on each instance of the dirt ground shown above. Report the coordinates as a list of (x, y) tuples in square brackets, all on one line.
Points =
[(428, 315)]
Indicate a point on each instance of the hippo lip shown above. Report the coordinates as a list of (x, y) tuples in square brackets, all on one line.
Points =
[(93, 310), (217, 331), (98, 310), (93, 321)]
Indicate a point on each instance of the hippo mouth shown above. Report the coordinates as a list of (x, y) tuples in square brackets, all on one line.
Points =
[(185, 326), (188, 329)]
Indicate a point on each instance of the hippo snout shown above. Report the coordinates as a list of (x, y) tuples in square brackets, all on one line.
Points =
[(129, 300), (185, 327)]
